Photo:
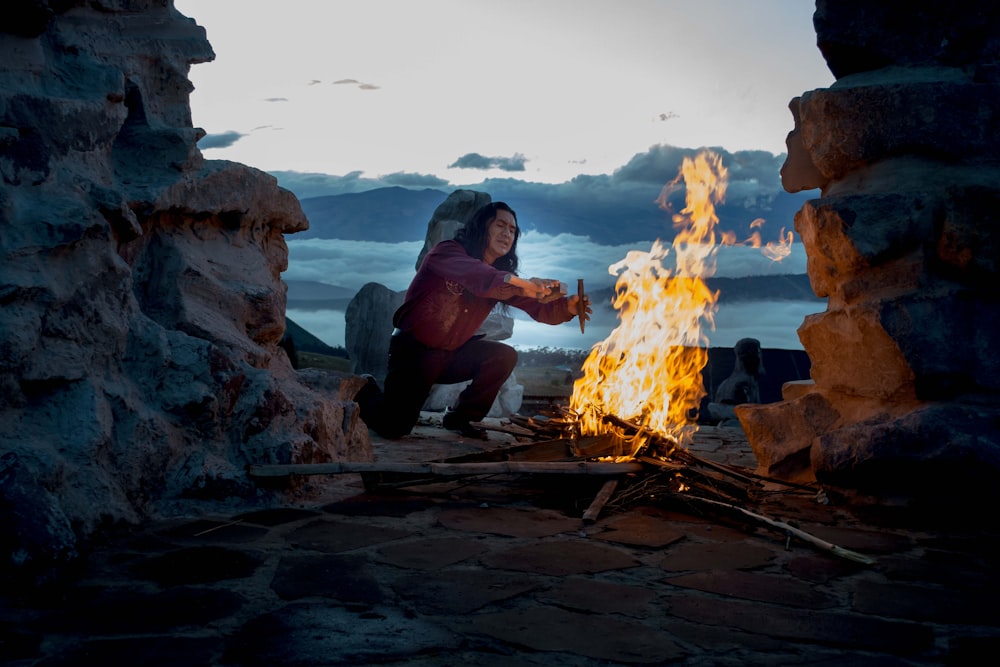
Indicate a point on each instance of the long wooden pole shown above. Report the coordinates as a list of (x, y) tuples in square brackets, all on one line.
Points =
[(792, 530), (448, 469)]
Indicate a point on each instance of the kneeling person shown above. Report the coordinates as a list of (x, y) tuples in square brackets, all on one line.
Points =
[(435, 341)]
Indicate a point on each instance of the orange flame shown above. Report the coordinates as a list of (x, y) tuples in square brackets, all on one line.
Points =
[(780, 250), (648, 370), (773, 250)]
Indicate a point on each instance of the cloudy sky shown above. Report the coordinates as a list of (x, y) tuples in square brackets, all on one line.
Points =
[(540, 90), (459, 93)]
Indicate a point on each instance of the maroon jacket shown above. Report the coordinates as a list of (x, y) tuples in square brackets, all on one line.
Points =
[(453, 293)]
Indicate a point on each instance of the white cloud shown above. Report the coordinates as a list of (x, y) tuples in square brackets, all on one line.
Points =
[(722, 71)]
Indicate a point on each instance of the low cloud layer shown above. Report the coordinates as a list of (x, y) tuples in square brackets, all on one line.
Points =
[(352, 264), (564, 257), (774, 324)]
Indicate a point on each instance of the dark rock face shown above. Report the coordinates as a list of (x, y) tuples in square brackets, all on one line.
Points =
[(142, 305), (904, 147), (368, 328), (860, 36)]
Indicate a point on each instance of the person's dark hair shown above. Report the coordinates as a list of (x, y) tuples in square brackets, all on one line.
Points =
[(473, 236)]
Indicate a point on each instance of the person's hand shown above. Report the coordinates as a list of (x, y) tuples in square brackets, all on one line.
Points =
[(574, 306), (551, 289), (533, 289)]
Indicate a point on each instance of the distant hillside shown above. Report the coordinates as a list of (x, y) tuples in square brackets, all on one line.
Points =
[(764, 288), (607, 216), (306, 342), (611, 218), (386, 215), (751, 288), (312, 295)]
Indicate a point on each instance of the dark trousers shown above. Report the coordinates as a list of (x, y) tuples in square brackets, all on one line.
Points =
[(414, 368)]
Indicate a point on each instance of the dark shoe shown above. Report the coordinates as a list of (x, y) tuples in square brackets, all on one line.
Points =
[(452, 422), (368, 397), (369, 387)]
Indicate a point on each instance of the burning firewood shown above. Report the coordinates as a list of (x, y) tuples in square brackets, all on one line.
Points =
[(641, 466), (691, 478)]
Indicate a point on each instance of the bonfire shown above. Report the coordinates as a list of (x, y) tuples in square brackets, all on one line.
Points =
[(635, 408), (648, 371)]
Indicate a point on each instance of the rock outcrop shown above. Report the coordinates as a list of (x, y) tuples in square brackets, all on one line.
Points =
[(142, 304), (743, 384), (906, 151), (368, 328)]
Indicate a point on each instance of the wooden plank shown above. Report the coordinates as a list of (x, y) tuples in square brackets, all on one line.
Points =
[(448, 469), (511, 428)]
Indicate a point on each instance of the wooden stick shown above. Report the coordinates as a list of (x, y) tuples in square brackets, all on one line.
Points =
[(662, 465), (581, 304), (600, 500), (801, 534), (686, 456), (511, 428), (447, 469)]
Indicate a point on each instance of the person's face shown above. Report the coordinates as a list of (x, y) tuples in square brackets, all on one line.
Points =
[(499, 236)]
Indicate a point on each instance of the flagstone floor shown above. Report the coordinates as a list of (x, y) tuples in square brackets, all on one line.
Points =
[(502, 570)]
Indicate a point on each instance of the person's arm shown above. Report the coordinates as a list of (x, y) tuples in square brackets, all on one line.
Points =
[(449, 260), (537, 288), (561, 310)]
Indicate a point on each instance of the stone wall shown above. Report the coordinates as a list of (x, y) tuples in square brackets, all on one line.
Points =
[(905, 149), (142, 304)]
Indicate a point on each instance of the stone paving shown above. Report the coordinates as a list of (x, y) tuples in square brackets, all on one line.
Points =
[(503, 571)]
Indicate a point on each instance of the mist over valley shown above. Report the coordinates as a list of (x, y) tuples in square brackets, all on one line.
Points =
[(372, 230)]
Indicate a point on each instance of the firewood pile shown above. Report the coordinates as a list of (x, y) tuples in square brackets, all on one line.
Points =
[(658, 467)]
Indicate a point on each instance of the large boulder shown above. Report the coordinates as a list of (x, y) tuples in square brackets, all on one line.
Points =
[(368, 328), (140, 366), (902, 243), (449, 217)]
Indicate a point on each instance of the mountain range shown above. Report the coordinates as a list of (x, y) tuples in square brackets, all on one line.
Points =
[(606, 216)]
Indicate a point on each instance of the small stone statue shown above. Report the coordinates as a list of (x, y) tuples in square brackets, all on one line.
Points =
[(742, 385)]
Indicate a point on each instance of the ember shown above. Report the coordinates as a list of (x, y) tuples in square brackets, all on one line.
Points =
[(648, 370)]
